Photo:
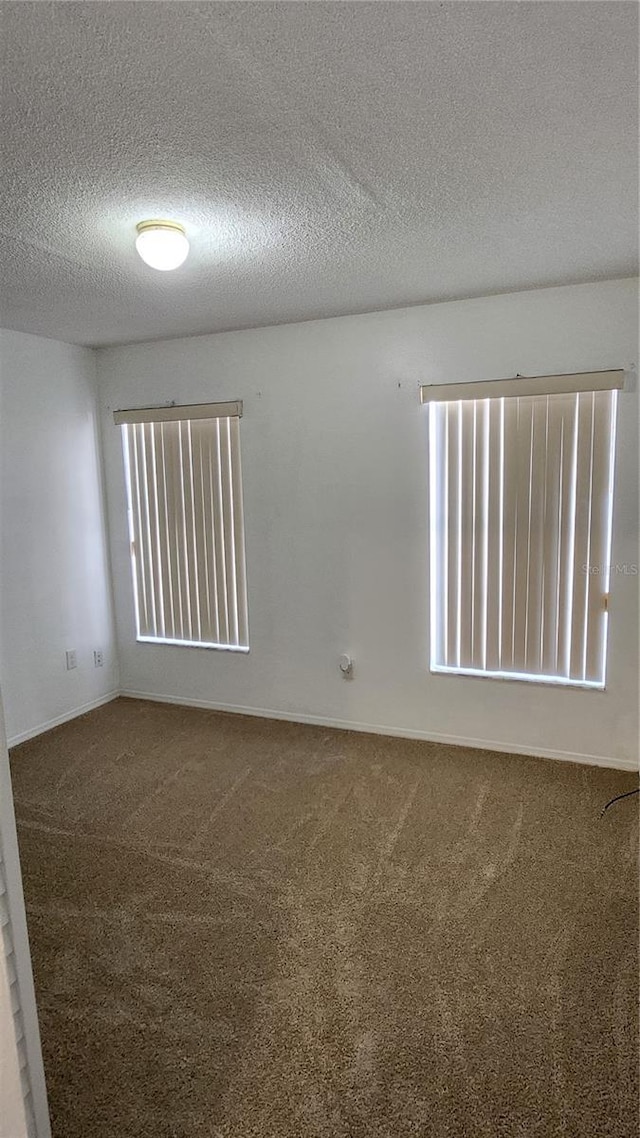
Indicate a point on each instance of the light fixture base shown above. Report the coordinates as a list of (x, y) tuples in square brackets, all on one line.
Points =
[(161, 223)]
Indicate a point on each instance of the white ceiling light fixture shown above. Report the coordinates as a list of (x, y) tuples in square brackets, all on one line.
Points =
[(162, 245)]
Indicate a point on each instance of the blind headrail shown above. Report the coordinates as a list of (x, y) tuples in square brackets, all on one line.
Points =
[(523, 385), (174, 414)]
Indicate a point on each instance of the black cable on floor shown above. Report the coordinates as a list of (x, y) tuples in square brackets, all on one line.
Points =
[(617, 799)]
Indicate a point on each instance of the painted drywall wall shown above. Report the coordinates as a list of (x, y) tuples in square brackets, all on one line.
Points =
[(334, 461), (54, 583)]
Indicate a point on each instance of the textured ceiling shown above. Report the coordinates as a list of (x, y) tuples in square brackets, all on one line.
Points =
[(325, 157)]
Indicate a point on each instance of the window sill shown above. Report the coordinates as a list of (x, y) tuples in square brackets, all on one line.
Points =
[(193, 644), (519, 677)]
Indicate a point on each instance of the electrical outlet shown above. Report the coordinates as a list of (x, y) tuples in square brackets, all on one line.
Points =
[(72, 659), (98, 658)]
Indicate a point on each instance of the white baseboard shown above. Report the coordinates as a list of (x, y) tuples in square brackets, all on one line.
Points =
[(340, 724), (400, 732), (42, 727)]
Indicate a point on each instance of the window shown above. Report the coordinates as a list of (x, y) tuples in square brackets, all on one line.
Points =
[(521, 486), (184, 489)]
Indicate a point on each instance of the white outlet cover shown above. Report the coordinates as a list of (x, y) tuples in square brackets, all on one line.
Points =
[(72, 659)]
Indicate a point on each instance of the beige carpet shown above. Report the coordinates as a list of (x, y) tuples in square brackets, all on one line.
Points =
[(251, 929)]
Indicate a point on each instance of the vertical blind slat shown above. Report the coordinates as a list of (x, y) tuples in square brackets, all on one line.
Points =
[(440, 630), (537, 497), (509, 519), (465, 552), (151, 507), (451, 488), (240, 556), (169, 434), (522, 531), (566, 533), (149, 553), (163, 561), (210, 456), (139, 551), (480, 522), (227, 498), (443, 531), (494, 536), (163, 536), (187, 527), (549, 589), (599, 555), (221, 559), (581, 533), (180, 527), (479, 597), (190, 530), (202, 574)]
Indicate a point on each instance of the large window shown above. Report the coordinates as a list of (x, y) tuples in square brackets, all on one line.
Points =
[(184, 487), (521, 489)]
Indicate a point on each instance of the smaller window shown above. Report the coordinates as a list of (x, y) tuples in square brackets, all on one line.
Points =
[(186, 526)]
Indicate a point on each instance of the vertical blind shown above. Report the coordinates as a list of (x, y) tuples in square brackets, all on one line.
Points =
[(521, 505), (186, 525)]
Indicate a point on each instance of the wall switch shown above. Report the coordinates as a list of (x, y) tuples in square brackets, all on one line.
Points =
[(98, 658), (72, 659)]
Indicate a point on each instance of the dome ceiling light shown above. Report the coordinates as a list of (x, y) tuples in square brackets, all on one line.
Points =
[(162, 245)]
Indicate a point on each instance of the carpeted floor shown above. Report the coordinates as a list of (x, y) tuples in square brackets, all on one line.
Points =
[(250, 929)]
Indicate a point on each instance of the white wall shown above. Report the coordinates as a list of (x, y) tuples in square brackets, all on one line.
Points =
[(334, 461), (54, 585)]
